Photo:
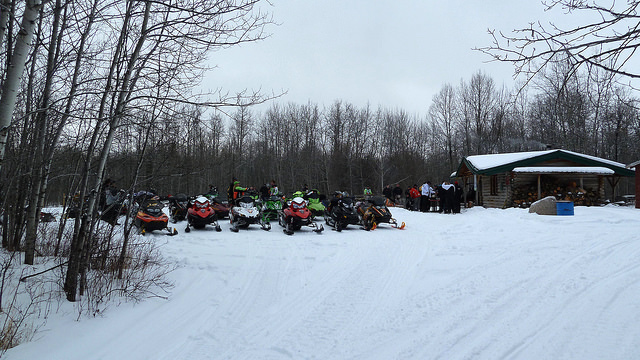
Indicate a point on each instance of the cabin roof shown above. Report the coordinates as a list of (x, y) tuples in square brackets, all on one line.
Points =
[(492, 164)]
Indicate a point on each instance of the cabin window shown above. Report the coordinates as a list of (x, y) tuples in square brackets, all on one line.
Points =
[(494, 185)]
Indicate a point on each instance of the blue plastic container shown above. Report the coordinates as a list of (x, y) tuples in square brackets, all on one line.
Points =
[(564, 208)]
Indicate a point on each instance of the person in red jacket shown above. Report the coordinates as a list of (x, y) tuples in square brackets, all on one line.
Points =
[(414, 194)]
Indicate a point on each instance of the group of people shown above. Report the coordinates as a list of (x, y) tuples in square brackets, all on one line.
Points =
[(393, 194), (444, 198), (236, 191)]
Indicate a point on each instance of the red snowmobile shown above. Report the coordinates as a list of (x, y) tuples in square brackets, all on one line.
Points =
[(296, 215), (201, 214)]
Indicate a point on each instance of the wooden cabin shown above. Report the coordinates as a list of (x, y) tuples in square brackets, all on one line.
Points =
[(519, 179)]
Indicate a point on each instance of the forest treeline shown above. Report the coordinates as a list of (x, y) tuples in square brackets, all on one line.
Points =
[(346, 147)]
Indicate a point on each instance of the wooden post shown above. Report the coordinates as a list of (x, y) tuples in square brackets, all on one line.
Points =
[(475, 187), (613, 181), (464, 190), (539, 186), (637, 167)]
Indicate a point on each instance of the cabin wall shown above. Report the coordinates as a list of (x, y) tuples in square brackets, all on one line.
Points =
[(502, 197)]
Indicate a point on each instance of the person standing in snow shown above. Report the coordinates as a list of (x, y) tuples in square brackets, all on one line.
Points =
[(273, 188), (415, 196), (425, 195), (230, 190), (449, 192), (397, 195), (237, 191), (110, 208), (388, 193), (457, 199), (440, 194), (264, 191)]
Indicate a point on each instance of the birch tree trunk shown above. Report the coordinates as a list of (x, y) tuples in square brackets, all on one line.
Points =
[(40, 169), (11, 85)]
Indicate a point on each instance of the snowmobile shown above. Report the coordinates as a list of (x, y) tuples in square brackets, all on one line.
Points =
[(221, 209), (341, 212), (47, 217), (150, 217), (201, 214), (271, 207), (244, 213), (178, 206), (315, 205), (374, 211), (296, 215)]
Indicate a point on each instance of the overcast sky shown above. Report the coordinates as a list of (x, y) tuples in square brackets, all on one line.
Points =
[(396, 54)]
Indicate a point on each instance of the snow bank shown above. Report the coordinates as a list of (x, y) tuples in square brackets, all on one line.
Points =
[(484, 284)]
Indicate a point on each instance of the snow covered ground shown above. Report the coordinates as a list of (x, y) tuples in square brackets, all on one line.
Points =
[(485, 284)]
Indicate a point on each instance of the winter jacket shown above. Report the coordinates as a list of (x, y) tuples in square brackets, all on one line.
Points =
[(238, 191), (427, 190)]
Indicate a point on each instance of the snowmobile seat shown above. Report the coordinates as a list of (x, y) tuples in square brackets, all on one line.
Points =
[(180, 197), (377, 200)]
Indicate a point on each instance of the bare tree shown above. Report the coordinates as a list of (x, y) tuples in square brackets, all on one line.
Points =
[(443, 114), (607, 42), (478, 100), (173, 37)]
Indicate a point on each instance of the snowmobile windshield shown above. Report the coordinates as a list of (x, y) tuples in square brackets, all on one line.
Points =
[(245, 202), (202, 205), (347, 202), (377, 201), (153, 208)]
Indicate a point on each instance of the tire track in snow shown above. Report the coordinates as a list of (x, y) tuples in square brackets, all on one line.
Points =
[(285, 311), (365, 291), (575, 314), (479, 327)]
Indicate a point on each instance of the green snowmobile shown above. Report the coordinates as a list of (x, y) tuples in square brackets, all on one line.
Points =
[(315, 202)]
